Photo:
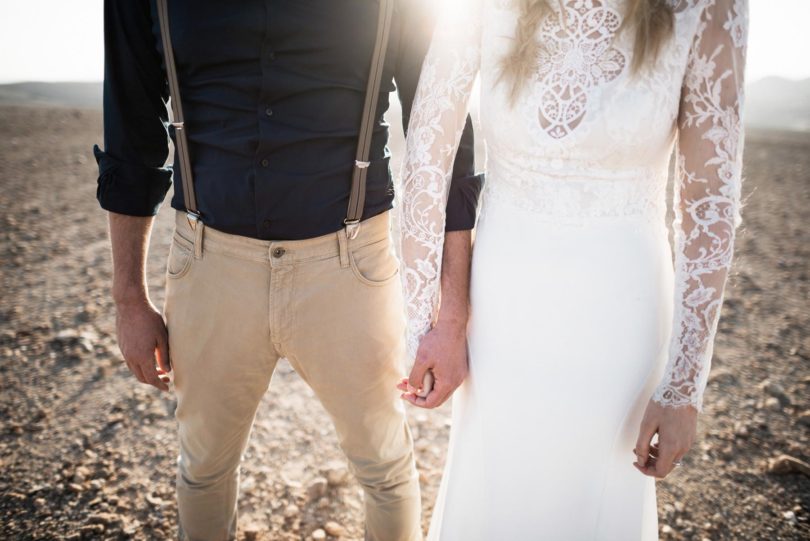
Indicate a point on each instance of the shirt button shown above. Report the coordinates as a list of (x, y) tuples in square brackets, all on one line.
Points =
[(266, 223), (265, 162), (268, 112), (271, 56), (278, 252)]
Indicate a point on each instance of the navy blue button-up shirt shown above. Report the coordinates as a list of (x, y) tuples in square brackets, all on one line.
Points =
[(273, 94)]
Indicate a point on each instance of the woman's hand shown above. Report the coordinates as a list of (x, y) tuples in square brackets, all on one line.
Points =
[(676, 429)]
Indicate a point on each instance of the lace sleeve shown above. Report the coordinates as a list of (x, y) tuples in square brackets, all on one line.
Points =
[(707, 195), (437, 120)]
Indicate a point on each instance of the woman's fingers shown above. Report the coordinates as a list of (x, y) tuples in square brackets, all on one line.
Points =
[(666, 457), (645, 435)]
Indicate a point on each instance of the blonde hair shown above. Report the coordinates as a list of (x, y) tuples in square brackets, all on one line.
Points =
[(652, 20)]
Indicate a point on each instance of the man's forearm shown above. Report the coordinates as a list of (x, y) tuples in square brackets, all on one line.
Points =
[(129, 236), (455, 280)]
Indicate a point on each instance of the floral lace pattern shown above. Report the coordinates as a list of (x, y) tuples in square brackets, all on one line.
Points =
[(690, 98), (577, 55), (434, 130), (707, 198)]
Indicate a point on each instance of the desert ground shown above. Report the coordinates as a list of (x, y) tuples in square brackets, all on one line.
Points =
[(88, 453)]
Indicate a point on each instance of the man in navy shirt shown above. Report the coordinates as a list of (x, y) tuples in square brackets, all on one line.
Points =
[(273, 93)]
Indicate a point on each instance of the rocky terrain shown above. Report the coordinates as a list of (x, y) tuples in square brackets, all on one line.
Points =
[(88, 453)]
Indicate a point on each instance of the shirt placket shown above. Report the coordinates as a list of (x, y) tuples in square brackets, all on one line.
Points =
[(264, 112)]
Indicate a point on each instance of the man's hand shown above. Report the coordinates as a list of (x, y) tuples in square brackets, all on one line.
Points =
[(144, 342), (676, 428), (142, 335), (443, 351)]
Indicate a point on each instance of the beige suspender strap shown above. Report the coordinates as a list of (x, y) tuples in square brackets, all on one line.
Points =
[(189, 197), (357, 197)]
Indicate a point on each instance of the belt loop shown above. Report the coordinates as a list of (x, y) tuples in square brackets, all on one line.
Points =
[(198, 226), (343, 243)]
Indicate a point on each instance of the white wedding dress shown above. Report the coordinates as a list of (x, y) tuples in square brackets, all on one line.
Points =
[(579, 315)]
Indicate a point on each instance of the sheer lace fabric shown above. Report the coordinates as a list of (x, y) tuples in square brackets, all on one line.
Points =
[(589, 141)]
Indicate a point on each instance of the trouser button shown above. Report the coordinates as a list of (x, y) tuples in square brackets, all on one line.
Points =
[(278, 252)]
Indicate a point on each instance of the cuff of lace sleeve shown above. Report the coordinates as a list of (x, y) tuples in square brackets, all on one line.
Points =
[(669, 397), (131, 189), (413, 337), (462, 202)]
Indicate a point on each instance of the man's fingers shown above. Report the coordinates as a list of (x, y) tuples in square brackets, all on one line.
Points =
[(162, 354), (135, 368), (437, 396), (417, 401), (145, 369), (152, 377)]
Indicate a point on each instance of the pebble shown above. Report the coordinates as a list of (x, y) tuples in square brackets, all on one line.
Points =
[(92, 530), (291, 511), (107, 519), (317, 488), (804, 418), (334, 529), (337, 474), (247, 484), (788, 464), (776, 391), (772, 403), (741, 429), (723, 377), (81, 474), (251, 532), (790, 516), (318, 535)]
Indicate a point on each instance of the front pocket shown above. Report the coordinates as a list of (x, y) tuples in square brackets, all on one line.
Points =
[(180, 257), (374, 264)]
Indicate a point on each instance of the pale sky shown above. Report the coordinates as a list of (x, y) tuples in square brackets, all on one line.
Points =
[(61, 40)]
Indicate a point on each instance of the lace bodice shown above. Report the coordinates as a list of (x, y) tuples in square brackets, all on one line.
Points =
[(590, 140)]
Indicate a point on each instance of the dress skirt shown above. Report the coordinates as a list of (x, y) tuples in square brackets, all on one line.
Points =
[(568, 338)]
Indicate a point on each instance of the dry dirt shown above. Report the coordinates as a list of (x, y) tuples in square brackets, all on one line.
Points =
[(87, 453)]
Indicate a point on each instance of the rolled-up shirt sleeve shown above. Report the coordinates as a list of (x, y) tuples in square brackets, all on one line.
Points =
[(417, 24), (132, 178)]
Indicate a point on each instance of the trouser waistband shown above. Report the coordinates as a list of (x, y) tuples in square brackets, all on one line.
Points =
[(279, 252)]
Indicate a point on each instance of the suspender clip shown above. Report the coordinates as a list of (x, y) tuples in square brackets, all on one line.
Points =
[(192, 217), (352, 228)]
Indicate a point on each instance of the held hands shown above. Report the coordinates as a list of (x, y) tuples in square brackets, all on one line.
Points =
[(676, 429), (144, 342), (443, 351)]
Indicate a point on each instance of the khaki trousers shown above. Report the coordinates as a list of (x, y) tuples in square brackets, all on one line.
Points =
[(333, 307)]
